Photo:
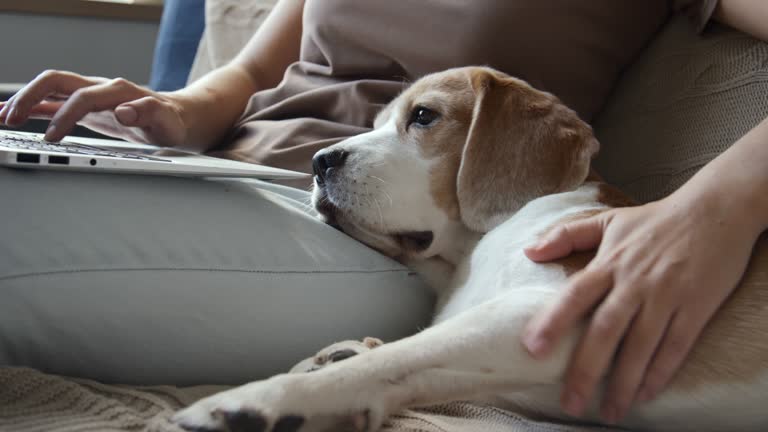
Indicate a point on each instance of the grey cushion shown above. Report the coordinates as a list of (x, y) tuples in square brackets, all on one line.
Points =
[(166, 280)]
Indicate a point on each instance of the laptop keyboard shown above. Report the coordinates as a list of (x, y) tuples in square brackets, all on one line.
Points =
[(24, 142)]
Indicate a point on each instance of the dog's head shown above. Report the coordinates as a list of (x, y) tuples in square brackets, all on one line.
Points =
[(458, 150)]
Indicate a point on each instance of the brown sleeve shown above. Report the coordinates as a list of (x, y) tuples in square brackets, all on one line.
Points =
[(699, 11)]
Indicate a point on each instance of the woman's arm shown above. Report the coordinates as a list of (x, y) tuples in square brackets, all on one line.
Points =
[(196, 117), (737, 180), (651, 261), (749, 16), (218, 99)]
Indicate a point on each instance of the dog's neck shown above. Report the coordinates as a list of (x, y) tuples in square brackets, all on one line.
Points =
[(458, 241), (461, 242), (455, 243)]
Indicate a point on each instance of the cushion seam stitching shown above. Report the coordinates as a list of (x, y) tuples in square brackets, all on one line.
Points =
[(212, 270)]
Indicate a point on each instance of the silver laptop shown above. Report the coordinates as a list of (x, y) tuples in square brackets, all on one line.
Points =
[(29, 150)]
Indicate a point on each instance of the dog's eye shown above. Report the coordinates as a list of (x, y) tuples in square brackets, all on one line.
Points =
[(422, 116)]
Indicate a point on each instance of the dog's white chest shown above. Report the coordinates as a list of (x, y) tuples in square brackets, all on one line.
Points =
[(498, 265)]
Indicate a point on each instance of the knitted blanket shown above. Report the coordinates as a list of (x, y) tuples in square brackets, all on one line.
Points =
[(31, 401)]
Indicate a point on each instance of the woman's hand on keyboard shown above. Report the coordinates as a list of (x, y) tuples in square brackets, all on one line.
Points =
[(117, 108)]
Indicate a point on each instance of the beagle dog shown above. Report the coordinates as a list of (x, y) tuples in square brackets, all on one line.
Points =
[(461, 172)]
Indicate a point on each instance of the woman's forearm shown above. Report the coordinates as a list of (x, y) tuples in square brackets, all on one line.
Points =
[(213, 104), (735, 184), (749, 16)]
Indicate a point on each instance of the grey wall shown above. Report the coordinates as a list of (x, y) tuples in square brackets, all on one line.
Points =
[(111, 48)]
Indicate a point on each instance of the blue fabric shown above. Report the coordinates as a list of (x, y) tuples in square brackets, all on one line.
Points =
[(180, 31)]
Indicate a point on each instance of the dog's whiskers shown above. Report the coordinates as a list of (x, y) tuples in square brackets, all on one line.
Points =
[(378, 207), (381, 215), (374, 165), (389, 197), (376, 178)]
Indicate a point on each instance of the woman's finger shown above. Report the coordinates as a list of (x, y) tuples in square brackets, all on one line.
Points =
[(95, 98), (145, 112), (597, 347), (45, 84), (45, 110), (3, 111), (6, 106), (674, 348), (583, 292), (580, 235), (160, 121), (641, 341)]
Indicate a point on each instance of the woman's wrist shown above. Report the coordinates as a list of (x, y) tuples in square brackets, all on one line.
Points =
[(211, 106), (739, 208), (755, 203), (734, 186), (185, 107)]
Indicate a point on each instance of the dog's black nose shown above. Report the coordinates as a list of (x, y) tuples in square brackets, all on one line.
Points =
[(325, 160)]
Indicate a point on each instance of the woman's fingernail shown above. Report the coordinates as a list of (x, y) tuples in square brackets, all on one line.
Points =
[(126, 114), (573, 404), (535, 344), (533, 246)]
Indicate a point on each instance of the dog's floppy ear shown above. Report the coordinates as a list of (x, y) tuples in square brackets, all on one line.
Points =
[(522, 144)]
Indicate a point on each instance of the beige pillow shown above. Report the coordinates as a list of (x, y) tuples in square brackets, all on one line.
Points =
[(685, 100), (229, 24)]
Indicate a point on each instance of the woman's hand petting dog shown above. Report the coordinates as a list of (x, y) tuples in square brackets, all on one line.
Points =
[(660, 273)]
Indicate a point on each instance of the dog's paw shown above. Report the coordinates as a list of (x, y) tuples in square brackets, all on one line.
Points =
[(336, 353), (243, 419), (280, 404)]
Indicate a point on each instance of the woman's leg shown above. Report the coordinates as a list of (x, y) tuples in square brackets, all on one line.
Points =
[(146, 279), (180, 31)]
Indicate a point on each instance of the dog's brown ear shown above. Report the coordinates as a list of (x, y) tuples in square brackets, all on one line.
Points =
[(522, 144)]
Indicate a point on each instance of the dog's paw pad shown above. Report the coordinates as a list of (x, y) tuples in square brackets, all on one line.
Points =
[(198, 429), (340, 355), (289, 423), (243, 421)]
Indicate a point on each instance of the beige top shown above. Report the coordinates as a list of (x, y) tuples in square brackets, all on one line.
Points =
[(356, 55)]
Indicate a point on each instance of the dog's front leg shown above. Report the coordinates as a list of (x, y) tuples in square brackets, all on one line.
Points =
[(473, 354)]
